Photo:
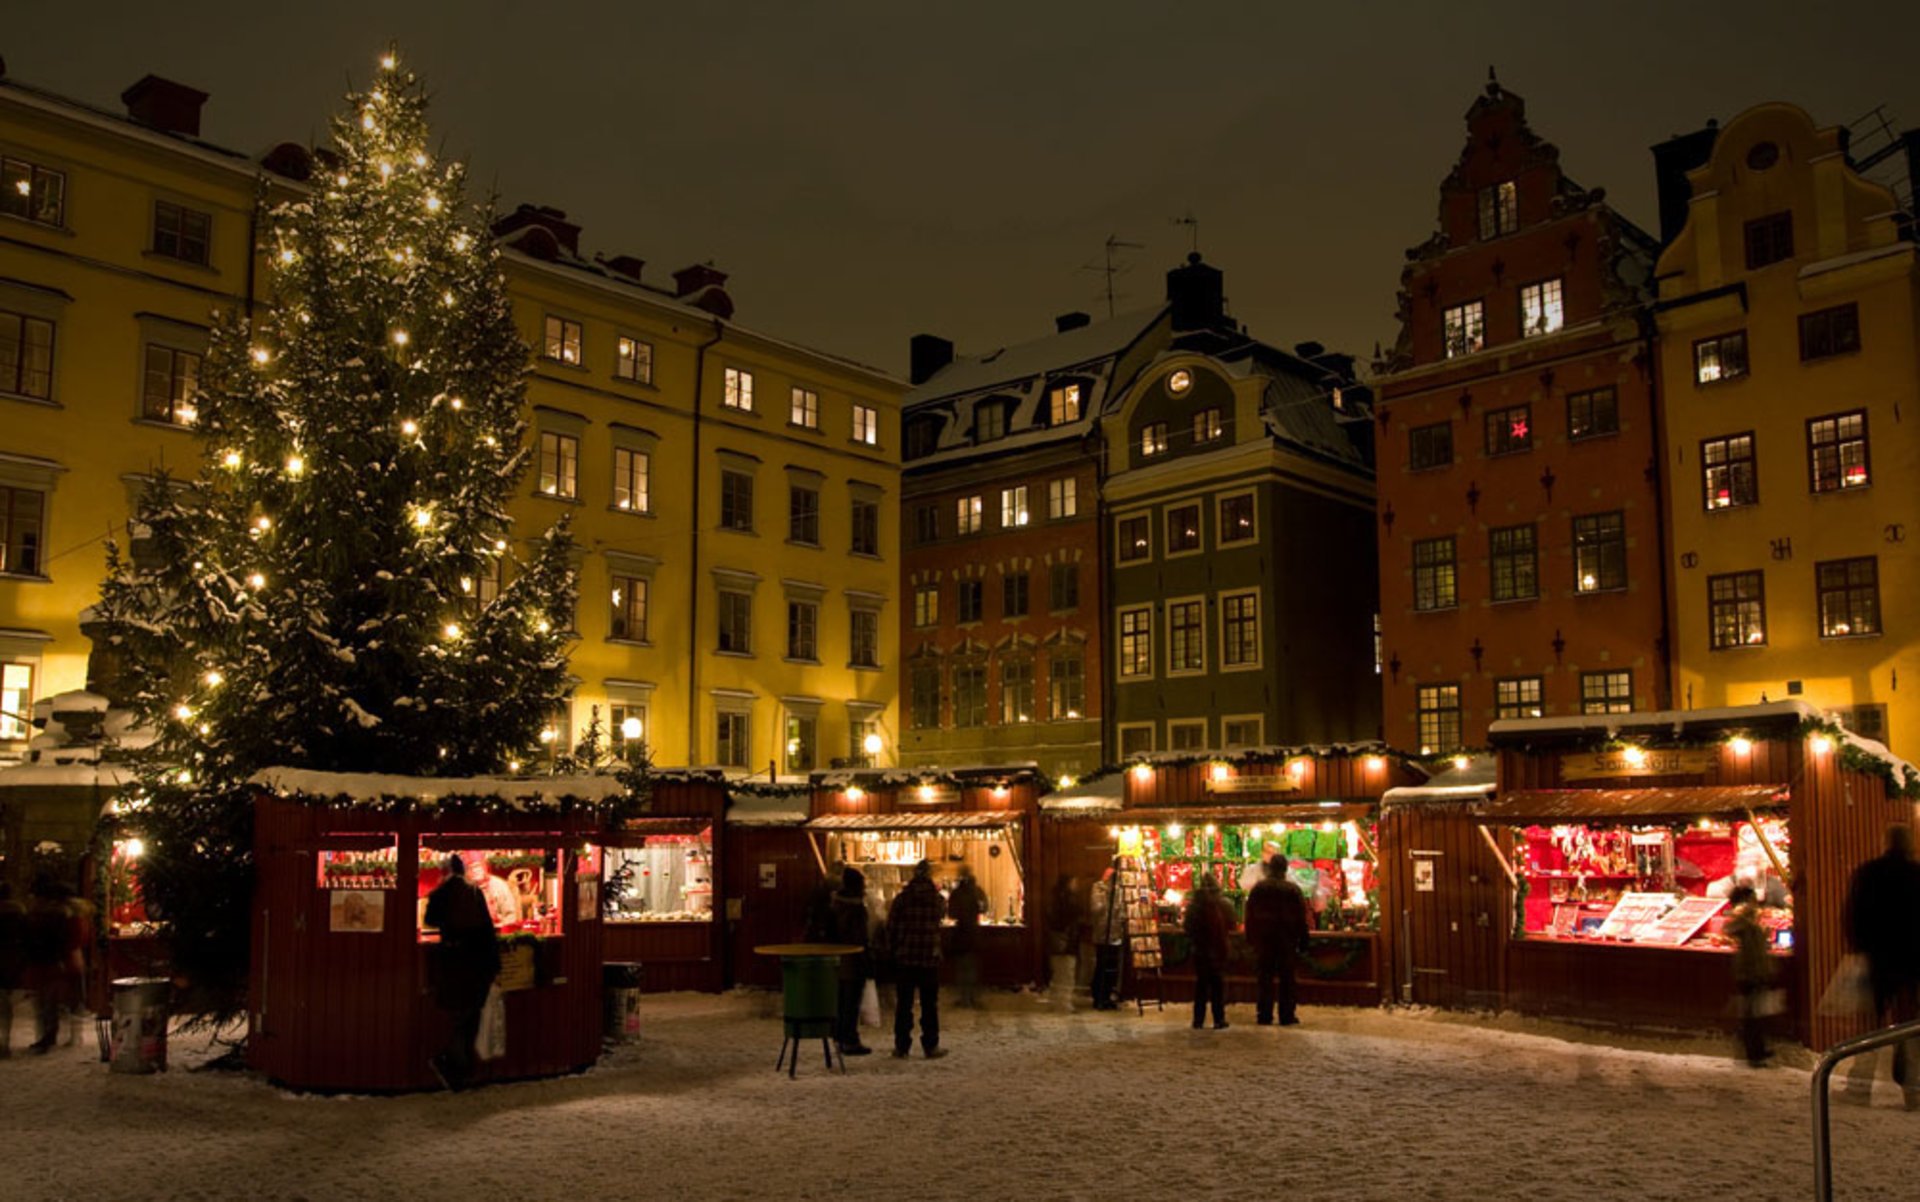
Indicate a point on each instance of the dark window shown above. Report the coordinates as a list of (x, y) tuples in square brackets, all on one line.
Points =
[(968, 600), (1769, 239), (1510, 430), (1728, 478), (730, 740), (1737, 610), (989, 421), (1592, 414), (736, 622), (171, 380), (923, 438), (1014, 595), (1067, 684), (36, 193), (1721, 358), (1600, 552), (630, 608), (736, 501), (1837, 451), (1499, 209), (970, 693), (926, 523), (1832, 331), (803, 515), (1240, 629), (923, 695), (1434, 583), (22, 511), (1065, 586), (180, 233), (1135, 541), (1606, 692), (1136, 642), (1183, 528), (803, 630), (866, 528), (1517, 697), (1186, 639), (1430, 446), (26, 356), (864, 631), (1849, 596), (803, 732), (1515, 563), (1236, 519), (1439, 713)]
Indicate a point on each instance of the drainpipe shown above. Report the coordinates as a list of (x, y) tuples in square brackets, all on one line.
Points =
[(693, 558), (1650, 340)]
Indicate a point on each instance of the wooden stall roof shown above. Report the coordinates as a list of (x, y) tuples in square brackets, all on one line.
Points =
[(943, 820), (1573, 805)]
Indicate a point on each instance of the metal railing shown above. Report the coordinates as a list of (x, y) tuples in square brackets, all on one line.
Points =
[(1872, 1041)]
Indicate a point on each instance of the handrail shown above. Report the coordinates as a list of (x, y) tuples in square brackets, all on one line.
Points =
[(1872, 1041)]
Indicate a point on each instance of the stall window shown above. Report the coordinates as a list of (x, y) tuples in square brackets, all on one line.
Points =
[(661, 878), (1737, 609), (1518, 697), (1439, 717), (521, 883), (1606, 692), (1849, 596), (1331, 861), (1600, 552), (1066, 684), (887, 859)]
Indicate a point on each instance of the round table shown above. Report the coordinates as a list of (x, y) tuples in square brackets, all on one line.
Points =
[(810, 993)]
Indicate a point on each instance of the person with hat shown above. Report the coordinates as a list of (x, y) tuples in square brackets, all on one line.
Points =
[(913, 937), (850, 929)]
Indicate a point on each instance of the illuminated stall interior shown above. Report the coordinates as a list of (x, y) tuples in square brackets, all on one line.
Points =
[(660, 870), (127, 916), (885, 848), (521, 879), (1330, 852)]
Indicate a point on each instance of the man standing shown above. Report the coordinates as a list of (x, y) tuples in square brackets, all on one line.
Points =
[(1883, 923), (1108, 916), (965, 905), (1277, 929), (461, 968), (913, 935), (1207, 923)]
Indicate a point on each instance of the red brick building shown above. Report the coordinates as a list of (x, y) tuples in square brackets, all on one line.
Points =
[(1521, 567)]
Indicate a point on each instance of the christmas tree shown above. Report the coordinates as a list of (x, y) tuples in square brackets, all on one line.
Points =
[(338, 588)]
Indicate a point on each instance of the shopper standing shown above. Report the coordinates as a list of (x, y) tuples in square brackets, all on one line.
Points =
[(1277, 930), (45, 935), (965, 905), (1064, 919), (1107, 914), (1883, 923), (913, 937), (1206, 924), (850, 929), (461, 968), (13, 961), (1752, 971)]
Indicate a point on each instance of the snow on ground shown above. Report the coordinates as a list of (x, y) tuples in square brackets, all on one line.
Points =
[(1031, 1104)]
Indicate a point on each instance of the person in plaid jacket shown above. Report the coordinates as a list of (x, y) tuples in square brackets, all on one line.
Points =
[(913, 938)]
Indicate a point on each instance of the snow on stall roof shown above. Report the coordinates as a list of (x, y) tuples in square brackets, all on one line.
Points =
[(1102, 796), (1475, 782), (762, 809), (523, 792), (896, 777)]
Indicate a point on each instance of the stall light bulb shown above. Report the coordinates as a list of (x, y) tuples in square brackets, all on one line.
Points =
[(1210, 828), (1175, 897), (999, 792), (1634, 756), (433, 202), (185, 777), (1174, 829), (1143, 772), (366, 122), (387, 61), (513, 765), (1220, 772), (1460, 762), (1820, 744), (134, 848), (1740, 744), (1376, 762), (287, 256), (386, 169), (926, 792), (1297, 768), (1257, 832), (543, 626), (183, 711), (1113, 832), (499, 545), (872, 744), (455, 404), (1066, 782), (1326, 827), (855, 793), (461, 242)]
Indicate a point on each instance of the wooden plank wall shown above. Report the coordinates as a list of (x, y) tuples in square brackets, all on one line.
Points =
[(1448, 943), (776, 915), (675, 955)]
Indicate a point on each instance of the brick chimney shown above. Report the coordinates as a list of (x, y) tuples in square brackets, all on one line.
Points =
[(1197, 292), (171, 108), (1071, 321), (704, 286), (927, 354), (626, 267), (541, 231)]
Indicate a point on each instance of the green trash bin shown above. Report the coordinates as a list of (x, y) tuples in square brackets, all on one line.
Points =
[(811, 995)]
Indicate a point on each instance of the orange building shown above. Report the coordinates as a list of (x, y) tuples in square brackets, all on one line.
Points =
[(1521, 565)]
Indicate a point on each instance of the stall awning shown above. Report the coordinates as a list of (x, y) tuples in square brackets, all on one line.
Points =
[(1580, 805), (946, 820)]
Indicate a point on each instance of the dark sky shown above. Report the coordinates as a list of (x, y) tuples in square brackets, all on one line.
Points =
[(871, 170)]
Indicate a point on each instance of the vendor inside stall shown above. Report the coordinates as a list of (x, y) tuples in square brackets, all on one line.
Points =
[(885, 849), (522, 883)]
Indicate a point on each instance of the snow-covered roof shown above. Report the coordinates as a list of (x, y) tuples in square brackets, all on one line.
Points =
[(906, 777), (1055, 353), (520, 792), (767, 809), (1474, 782), (1102, 796), (66, 776)]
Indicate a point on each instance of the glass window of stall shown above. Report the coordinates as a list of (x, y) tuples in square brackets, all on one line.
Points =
[(521, 881), (887, 858), (1332, 860), (663, 875)]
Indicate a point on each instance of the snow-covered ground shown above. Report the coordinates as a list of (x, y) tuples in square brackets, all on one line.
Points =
[(1030, 1105)]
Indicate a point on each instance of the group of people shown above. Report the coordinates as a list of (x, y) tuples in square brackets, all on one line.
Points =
[(905, 943), (43, 949), (1276, 928)]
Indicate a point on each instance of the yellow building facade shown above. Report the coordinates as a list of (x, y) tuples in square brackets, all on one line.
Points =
[(734, 497), (1789, 385)]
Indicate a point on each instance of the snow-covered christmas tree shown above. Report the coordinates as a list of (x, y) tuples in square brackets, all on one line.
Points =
[(339, 587)]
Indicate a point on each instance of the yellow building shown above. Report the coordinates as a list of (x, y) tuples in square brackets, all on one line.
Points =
[(738, 555), (1789, 388)]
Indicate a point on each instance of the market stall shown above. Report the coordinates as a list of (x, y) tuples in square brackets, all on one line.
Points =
[(344, 865), (982, 821), (662, 877), (770, 872), (1182, 818), (1599, 873)]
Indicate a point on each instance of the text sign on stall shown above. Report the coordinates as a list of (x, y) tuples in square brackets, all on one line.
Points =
[(1650, 762), (931, 795), (1270, 782)]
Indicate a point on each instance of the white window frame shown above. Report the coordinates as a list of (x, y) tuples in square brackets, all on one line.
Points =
[(1220, 540), (1123, 729), (1119, 526), (1063, 498), (1259, 641), (1013, 507), (1174, 724), (1199, 507), (1228, 721), (737, 390), (1200, 629), (1120, 616)]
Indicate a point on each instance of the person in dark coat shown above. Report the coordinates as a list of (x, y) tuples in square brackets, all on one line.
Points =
[(1107, 917), (850, 928), (1883, 924), (819, 917), (913, 936), (46, 937), (965, 905), (1064, 918), (1277, 931), (13, 961), (1752, 971), (1207, 923), (461, 968)]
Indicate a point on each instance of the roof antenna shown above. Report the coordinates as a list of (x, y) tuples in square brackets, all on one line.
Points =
[(1193, 230), (1111, 269)]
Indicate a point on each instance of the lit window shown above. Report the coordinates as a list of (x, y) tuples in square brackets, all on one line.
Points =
[(1013, 506), (1606, 692), (805, 410), (629, 598), (866, 425), (737, 391), (1062, 498), (1207, 425), (181, 233), (1727, 475), (39, 194), (1240, 630), (563, 340), (1720, 358), (970, 693), (16, 699), (1517, 697), (969, 514), (1063, 404), (1153, 439), (1541, 311), (926, 606), (1837, 451), (172, 378), (1136, 642), (1183, 529), (1186, 637), (1509, 431), (1066, 684), (802, 733), (1016, 689), (631, 484), (1435, 585), (1236, 519), (559, 465), (730, 741), (1499, 209), (1463, 329), (1438, 708), (1135, 539), (1737, 610), (1849, 597), (1600, 552), (633, 360)]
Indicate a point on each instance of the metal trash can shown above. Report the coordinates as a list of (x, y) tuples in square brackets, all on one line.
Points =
[(140, 1006), (620, 983)]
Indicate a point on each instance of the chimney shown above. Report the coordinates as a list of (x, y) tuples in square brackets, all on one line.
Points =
[(543, 232), (1071, 321), (927, 354), (1198, 296), (625, 266), (1672, 159), (704, 286), (290, 160), (1309, 350), (171, 108)]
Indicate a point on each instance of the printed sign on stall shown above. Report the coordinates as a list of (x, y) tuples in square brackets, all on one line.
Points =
[(357, 911), (1423, 876), (1672, 761), (588, 897)]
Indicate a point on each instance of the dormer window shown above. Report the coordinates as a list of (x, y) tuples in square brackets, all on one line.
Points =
[(1499, 210), (1063, 404), (989, 422), (1153, 440), (922, 437)]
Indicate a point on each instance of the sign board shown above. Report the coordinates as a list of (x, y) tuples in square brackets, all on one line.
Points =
[(1697, 761), (516, 968), (1423, 876), (357, 911), (1266, 782), (930, 795), (769, 876), (1632, 912), (1682, 922), (587, 901)]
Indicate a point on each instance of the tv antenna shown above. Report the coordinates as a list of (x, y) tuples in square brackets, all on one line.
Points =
[(1193, 230), (1110, 269)]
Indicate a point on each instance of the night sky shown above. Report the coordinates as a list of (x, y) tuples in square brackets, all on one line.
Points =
[(867, 171)]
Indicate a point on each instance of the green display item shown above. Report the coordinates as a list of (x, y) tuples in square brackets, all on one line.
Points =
[(1299, 844), (1232, 843), (1329, 845)]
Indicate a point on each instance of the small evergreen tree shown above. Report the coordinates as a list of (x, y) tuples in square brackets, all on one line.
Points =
[(338, 587)]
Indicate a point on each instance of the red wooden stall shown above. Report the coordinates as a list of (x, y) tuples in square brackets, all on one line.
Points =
[(666, 876), (1590, 884), (339, 992)]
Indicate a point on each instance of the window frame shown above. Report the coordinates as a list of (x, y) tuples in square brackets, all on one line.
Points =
[(1591, 396), (1168, 517), (1727, 464), (863, 634), (632, 359), (921, 673), (1420, 450), (1850, 592), (1551, 301), (1472, 329), (967, 687), (1223, 522), (1016, 588), (1067, 571), (620, 623), (734, 608), (733, 739), (737, 500), (1730, 610), (803, 630), (35, 174), (969, 601), (1497, 209), (1153, 440), (863, 514), (181, 413), (1519, 703), (803, 514), (1428, 576), (1014, 511), (1512, 557), (1839, 445), (1811, 323), (1063, 498), (1430, 721), (1060, 399), (1011, 665), (17, 386), (637, 479), (969, 514), (565, 462), (866, 425), (926, 606), (1503, 422), (1209, 425), (24, 539), (1251, 623), (1613, 537), (1767, 239), (1073, 683), (1143, 547), (560, 334), (1606, 699), (736, 389), (1133, 646), (1195, 608), (1719, 345), (183, 241), (803, 407)]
